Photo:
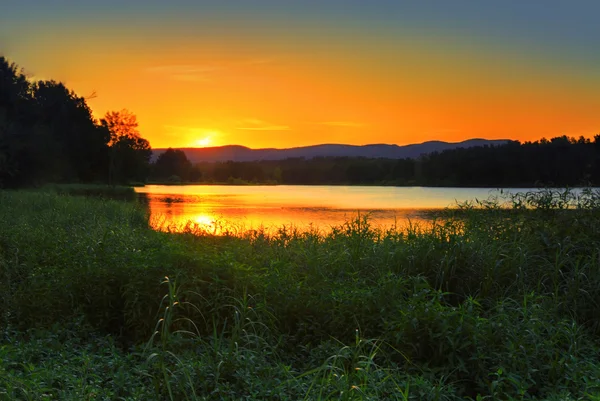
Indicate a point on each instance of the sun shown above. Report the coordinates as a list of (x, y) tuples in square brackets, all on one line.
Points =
[(204, 142), (205, 137)]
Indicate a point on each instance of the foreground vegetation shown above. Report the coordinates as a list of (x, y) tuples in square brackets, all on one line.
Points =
[(114, 192), (491, 304)]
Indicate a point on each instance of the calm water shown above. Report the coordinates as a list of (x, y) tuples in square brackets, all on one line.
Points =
[(216, 208)]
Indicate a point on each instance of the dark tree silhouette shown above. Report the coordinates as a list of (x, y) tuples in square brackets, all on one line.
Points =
[(130, 154), (48, 134), (172, 165), (560, 161), (67, 141), (15, 111)]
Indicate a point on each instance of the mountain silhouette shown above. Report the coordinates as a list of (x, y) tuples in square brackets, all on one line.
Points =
[(242, 153)]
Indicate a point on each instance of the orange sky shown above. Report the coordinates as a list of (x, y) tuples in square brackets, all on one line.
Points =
[(315, 83)]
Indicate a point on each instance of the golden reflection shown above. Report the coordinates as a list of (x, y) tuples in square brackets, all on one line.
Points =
[(218, 210)]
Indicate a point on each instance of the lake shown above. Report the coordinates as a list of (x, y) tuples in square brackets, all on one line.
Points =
[(220, 208)]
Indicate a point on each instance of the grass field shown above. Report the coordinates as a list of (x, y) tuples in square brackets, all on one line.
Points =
[(489, 304), (114, 192)]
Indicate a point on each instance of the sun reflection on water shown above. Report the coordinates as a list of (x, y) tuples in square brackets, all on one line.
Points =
[(224, 209), (206, 217), (218, 210), (205, 220)]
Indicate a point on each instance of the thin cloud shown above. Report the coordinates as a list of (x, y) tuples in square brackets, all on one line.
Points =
[(441, 131), (349, 124), (184, 72), (266, 128), (260, 60), (253, 124), (177, 130), (200, 72)]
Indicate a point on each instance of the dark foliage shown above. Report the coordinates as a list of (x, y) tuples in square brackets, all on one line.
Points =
[(561, 161), (173, 165), (48, 134), (129, 153)]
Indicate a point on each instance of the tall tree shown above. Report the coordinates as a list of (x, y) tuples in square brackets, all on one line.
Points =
[(67, 140), (129, 153), (15, 106), (171, 164)]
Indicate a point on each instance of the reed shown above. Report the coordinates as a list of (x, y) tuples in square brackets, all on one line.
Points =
[(115, 192), (497, 300)]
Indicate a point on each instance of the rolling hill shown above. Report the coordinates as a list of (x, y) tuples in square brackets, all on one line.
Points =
[(242, 153)]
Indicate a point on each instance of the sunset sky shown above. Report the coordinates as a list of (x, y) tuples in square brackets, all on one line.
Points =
[(277, 73)]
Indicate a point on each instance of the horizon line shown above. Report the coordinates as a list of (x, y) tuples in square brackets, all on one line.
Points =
[(333, 144)]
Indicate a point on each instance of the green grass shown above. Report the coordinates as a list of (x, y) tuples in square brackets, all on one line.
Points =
[(114, 192), (487, 304)]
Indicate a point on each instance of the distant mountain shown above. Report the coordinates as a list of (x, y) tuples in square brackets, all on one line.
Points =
[(242, 153)]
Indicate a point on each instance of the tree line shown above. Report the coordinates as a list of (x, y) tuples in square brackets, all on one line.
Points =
[(560, 161), (48, 134)]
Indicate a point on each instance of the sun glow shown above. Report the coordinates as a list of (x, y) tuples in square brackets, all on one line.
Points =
[(205, 137), (204, 142)]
